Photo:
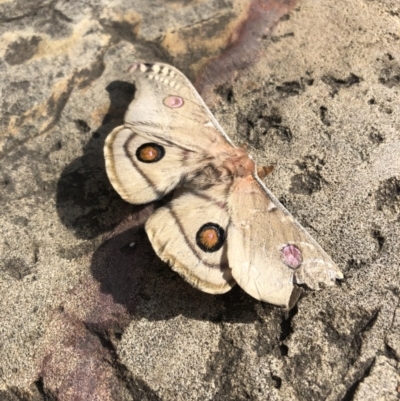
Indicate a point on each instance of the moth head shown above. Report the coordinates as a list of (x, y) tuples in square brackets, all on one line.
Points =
[(239, 163)]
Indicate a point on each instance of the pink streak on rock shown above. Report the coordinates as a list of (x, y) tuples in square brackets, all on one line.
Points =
[(291, 256), (246, 45), (173, 101)]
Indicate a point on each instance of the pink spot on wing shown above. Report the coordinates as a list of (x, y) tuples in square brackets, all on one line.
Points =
[(173, 101), (291, 256)]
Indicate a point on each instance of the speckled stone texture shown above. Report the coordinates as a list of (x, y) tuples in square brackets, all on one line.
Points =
[(87, 311)]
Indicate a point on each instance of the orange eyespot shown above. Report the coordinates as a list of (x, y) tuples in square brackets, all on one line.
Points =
[(150, 153), (210, 237)]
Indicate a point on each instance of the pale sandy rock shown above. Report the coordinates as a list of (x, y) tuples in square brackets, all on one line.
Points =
[(88, 311)]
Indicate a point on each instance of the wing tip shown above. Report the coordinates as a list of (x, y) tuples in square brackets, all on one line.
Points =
[(294, 297), (339, 275)]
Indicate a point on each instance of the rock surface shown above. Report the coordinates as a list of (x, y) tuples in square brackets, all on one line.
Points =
[(88, 312)]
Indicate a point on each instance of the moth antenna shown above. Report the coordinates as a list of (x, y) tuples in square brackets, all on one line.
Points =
[(263, 171)]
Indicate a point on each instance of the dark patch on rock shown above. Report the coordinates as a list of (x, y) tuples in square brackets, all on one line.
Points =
[(355, 264), (120, 30), (22, 50), (350, 393), (390, 76), (389, 71), (155, 51), (52, 22), (261, 123), (388, 195), (16, 268), (286, 17), (230, 381), (286, 202), (310, 180), (8, 396), (306, 183), (77, 251), (6, 183), (16, 394), (277, 381), (311, 162), (182, 2), (88, 75), (56, 105), (21, 85), (56, 147), (45, 393), (380, 239), (20, 9), (376, 137), (82, 126), (20, 221), (276, 39), (41, 16), (323, 115), (290, 88), (226, 93), (391, 353), (339, 83), (24, 162), (61, 16)]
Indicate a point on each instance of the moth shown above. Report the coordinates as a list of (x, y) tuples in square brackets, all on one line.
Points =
[(222, 226)]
